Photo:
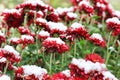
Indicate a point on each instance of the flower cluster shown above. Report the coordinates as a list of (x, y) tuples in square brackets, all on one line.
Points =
[(92, 67), (101, 8), (53, 30)]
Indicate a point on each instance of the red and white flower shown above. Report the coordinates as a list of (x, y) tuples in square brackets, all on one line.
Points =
[(31, 72), (15, 41), (43, 34), (88, 70), (113, 24), (86, 7), (24, 30), (63, 11), (11, 18), (97, 39), (53, 16), (59, 28), (32, 5), (42, 23), (77, 31), (55, 45), (70, 16), (26, 40), (11, 54)]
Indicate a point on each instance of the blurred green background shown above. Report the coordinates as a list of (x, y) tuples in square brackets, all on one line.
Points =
[(55, 3)]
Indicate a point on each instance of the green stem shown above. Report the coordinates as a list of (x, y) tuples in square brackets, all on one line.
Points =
[(5, 69), (108, 53), (93, 49), (25, 20), (50, 67), (62, 60), (54, 57), (75, 45)]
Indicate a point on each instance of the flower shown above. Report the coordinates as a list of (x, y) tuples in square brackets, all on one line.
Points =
[(26, 39), (32, 5), (31, 72), (59, 28), (43, 34), (55, 45), (70, 16), (94, 58), (53, 16), (42, 22), (11, 54), (113, 24), (77, 31), (15, 41), (63, 11), (100, 10), (24, 30), (11, 18), (97, 40), (86, 71), (86, 7)]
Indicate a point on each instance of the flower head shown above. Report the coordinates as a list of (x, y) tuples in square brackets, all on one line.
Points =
[(43, 34), (32, 5), (55, 45), (15, 41), (11, 54), (26, 39), (11, 18), (30, 72), (59, 28), (86, 7), (23, 30), (53, 16), (42, 23), (94, 58), (77, 31), (113, 24), (97, 40)]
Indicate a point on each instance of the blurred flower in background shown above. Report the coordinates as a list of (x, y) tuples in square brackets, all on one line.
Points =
[(55, 3)]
